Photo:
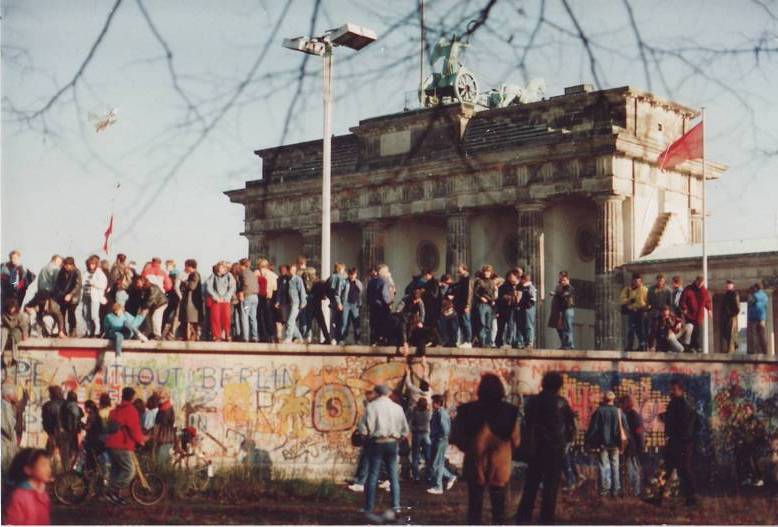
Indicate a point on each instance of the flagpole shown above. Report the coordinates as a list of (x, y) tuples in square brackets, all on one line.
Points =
[(705, 343)]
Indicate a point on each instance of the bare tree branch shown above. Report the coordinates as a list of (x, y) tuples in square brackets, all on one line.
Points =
[(586, 44)]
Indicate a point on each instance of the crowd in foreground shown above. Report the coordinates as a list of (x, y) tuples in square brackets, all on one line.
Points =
[(403, 433), (238, 301)]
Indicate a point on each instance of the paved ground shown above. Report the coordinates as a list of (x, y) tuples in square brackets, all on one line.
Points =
[(760, 507)]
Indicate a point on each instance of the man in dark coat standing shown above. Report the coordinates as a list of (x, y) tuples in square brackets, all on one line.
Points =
[(730, 309), (682, 423), (547, 418)]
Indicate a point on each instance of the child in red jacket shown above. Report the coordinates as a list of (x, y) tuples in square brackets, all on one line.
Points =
[(28, 503)]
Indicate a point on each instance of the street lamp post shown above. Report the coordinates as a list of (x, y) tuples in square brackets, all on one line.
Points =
[(354, 37)]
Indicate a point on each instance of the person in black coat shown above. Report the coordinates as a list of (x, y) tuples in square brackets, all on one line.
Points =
[(682, 423), (546, 424), (67, 291)]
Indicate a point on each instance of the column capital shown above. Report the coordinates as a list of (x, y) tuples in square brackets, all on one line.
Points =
[(608, 198), (537, 205)]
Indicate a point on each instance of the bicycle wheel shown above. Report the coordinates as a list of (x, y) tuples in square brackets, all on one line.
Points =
[(71, 488), (151, 494)]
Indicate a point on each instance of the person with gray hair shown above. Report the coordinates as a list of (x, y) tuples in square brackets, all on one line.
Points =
[(384, 426)]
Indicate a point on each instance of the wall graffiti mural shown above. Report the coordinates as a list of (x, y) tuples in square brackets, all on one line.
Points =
[(297, 412)]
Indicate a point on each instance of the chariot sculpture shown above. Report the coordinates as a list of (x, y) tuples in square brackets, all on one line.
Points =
[(454, 82)]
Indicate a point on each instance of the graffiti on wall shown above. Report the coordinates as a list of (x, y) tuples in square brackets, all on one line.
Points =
[(299, 412)]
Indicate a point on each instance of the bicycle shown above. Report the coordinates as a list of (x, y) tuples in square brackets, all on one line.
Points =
[(72, 487)]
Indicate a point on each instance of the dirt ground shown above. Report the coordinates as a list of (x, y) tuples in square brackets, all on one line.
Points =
[(760, 506)]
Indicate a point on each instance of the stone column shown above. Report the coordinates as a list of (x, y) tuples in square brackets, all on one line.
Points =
[(530, 256), (258, 246), (312, 248), (372, 253), (695, 228), (457, 241), (610, 255)]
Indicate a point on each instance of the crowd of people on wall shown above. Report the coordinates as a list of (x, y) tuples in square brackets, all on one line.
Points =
[(241, 302)]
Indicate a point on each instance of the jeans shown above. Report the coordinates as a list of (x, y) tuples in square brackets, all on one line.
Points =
[(336, 317), (568, 466), (314, 312), (439, 471), (362, 465), (379, 454), (129, 330), (122, 469), (506, 329), (448, 327), (90, 310), (636, 321), (465, 327), (634, 474), (265, 320), (350, 315), (525, 327), (566, 336), (156, 320), (248, 316), (292, 330), (420, 447), (758, 333), (609, 471), (485, 316)]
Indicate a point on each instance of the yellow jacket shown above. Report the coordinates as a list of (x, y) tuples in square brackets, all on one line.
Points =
[(635, 299)]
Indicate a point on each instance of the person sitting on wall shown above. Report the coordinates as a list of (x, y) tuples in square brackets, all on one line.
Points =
[(668, 329)]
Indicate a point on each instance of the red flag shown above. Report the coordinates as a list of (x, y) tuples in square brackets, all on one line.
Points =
[(108, 233), (689, 146)]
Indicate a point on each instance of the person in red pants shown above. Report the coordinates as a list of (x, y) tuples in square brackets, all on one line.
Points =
[(221, 288)]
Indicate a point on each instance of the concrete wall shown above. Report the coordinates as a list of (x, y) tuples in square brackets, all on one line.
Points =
[(299, 405)]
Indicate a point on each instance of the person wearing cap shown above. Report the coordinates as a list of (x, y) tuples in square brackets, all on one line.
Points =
[(607, 428), (383, 427)]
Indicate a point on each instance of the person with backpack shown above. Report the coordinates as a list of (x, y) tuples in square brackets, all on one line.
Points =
[(125, 435), (71, 427), (51, 417), (546, 431), (608, 433)]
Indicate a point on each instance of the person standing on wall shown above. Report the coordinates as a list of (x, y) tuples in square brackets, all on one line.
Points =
[(463, 297), (351, 299), (221, 287), (634, 304), (659, 297), (297, 302), (525, 314), (507, 304), (608, 433), (757, 318), (695, 305), (484, 297), (547, 430), (563, 311), (383, 427), (67, 291), (728, 314)]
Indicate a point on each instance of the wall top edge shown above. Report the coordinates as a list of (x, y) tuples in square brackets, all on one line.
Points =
[(251, 349)]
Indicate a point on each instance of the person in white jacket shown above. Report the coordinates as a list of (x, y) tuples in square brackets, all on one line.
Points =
[(93, 295)]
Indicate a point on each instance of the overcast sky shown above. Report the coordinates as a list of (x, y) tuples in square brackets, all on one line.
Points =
[(60, 186)]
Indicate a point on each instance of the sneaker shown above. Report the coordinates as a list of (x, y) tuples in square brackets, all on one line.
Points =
[(466, 345), (435, 490), (356, 487), (373, 519), (142, 337), (389, 515), (333, 342), (450, 483), (385, 485), (286, 341), (758, 483)]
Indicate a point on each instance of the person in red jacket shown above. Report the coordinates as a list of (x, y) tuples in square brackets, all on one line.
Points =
[(158, 276), (28, 503), (121, 445), (695, 300)]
